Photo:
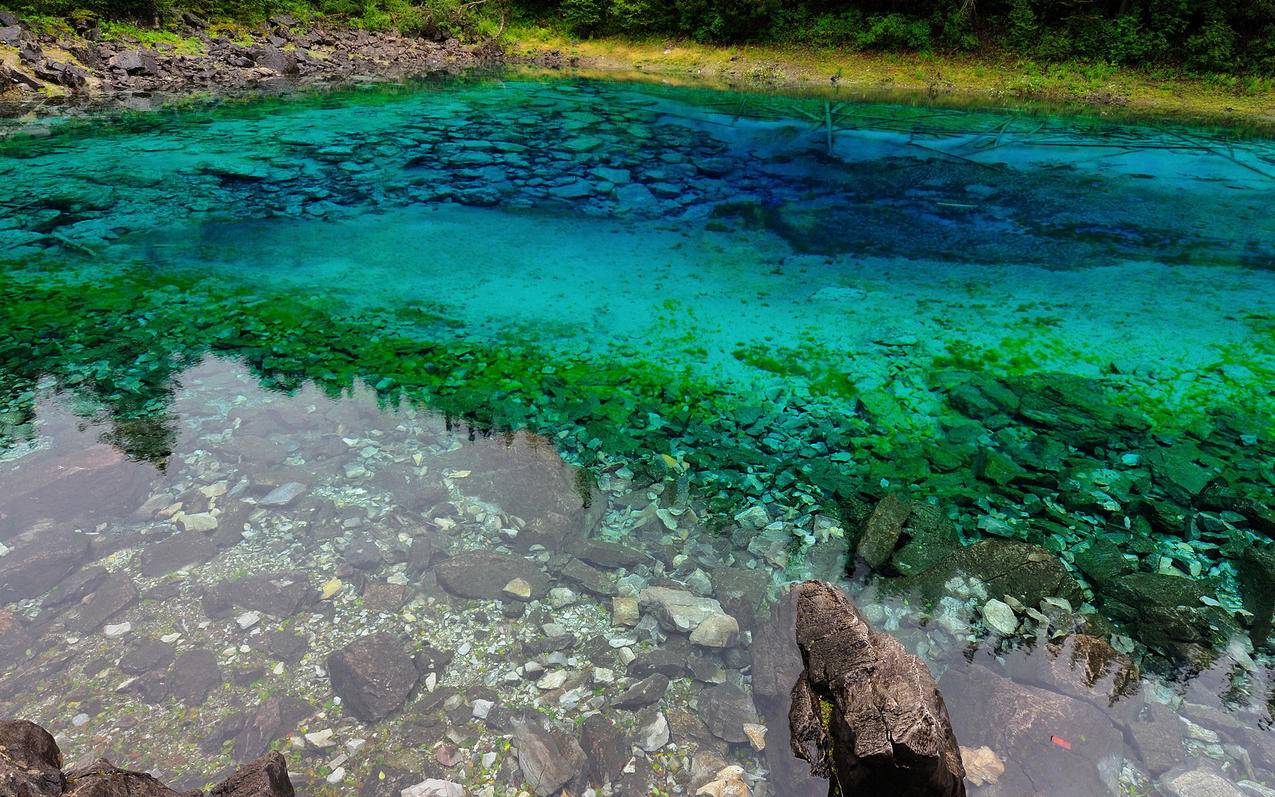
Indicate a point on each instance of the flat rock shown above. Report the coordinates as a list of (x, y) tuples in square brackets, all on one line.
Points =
[(726, 709), (195, 674), (176, 552), (147, 655), (116, 593), (606, 750), (275, 718), (284, 494), (678, 610), (373, 676), (644, 693), (43, 557), (482, 575), (104, 779)]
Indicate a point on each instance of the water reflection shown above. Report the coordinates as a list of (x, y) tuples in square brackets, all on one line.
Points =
[(390, 597)]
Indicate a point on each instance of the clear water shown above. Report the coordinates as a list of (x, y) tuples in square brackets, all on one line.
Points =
[(739, 321)]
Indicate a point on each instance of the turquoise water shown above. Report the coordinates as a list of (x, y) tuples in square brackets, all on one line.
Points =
[(747, 319)]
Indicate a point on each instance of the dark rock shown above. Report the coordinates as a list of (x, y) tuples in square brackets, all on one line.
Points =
[(15, 641), (135, 62), (1050, 743), (881, 532), (116, 593), (549, 760), (265, 777), (64, 486), (43, 557), (285, 646), (273, 719), (1158, 740), (1256, 570), (10, 35), (147, 655), (276, 594), (30, 761), (864, 710), (589, 578), (8, 18), (176, 552), (274, 59), (1081, 666), (484, 574), (104, 779), (364, 555), (373, 676), (195, 674), (645, 692), (726, 709), (609, 555), (605, 749), (74, 588), (932, 538)]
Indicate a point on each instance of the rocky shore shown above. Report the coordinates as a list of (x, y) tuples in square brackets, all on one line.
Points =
[(35, 64)]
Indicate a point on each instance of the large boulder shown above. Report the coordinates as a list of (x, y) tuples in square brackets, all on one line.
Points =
[(865, 711), (373, 676), (881, 532), (30, 761)]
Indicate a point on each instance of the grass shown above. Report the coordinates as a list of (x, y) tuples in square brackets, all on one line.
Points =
[(942, 79), (151, 38)]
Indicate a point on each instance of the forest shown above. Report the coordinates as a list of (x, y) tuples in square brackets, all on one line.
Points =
[(1199, 36)]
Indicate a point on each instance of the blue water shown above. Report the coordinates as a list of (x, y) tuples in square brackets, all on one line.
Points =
[(747, 319)]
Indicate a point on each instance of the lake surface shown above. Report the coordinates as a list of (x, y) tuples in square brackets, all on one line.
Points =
[(469, 374)]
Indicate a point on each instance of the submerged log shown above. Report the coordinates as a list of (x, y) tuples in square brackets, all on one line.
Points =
[(865, 713)]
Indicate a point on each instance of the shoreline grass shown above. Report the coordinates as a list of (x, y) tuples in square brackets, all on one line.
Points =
[(997, 80)]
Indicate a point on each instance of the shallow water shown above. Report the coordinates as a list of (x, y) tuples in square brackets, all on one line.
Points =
[(741, 320)]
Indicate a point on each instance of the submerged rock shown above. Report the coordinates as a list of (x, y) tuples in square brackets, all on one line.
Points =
[(548, 759), (484, 575), (373, 676), (865, 711)]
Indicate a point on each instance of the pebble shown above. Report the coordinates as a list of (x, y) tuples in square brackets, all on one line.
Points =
[(561, 597), (654, 734), (337, 775), (248, 620), (553, 680), (482, 708), (80, 720), (625, 611), (117, 630)]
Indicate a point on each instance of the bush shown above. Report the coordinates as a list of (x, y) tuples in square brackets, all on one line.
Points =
[(584, 16)]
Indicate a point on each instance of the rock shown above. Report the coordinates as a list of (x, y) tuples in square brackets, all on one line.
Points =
[(652, 731), (1050, 743), (605, 750), (1158, 741), (115, 594), (176, 552), (147, 655), (625, 611), (678, 610), (276, 717), (135, 62), (881, 531), (717, 631), (728, 782), (284, 494), (104, 779), (999, 617), (194, 675), (202, 522), (483, 575), (10, 35), (518, 589), (41, 559), (276, 594), (1199, 783), (373, 676), (433, 787), (15, 641), (30, 761), (265, 777), (888, 730), (1081, 666), (1025, 572), (274, 59), (549, 760), (589, 578), (608, 555), (726, 709), (643, 693), (982, 766)]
